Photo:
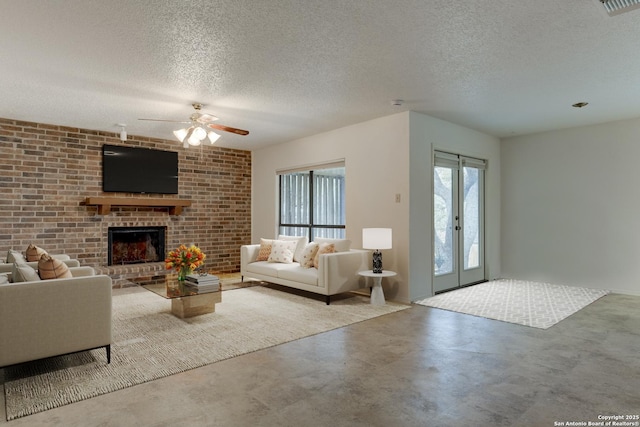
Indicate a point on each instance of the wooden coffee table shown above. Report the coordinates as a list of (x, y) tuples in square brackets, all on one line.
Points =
[(185, 300)]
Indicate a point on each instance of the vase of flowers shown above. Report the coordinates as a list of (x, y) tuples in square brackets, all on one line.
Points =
[(184, 260)]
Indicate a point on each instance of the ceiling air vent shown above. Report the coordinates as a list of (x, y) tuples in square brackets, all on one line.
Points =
[(616, 7)]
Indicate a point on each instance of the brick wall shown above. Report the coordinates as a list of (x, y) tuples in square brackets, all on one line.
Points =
[(47, 171)]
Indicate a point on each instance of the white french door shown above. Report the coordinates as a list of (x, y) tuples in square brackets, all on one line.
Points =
[(458, 221)]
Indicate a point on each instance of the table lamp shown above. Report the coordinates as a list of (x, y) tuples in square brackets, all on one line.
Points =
[(376, 239)]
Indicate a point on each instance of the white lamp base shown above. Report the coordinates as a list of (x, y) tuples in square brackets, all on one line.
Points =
[(377, 295)]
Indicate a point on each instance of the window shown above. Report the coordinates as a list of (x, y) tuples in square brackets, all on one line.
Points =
[(312, 203)]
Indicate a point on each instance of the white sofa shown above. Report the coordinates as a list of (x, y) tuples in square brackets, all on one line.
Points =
[(336, 273), (47, 318)]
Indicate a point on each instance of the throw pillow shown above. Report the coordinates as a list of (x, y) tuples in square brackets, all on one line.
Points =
[(33, 253), (265, 250), (301, 243), (22, 272), (341, 245), (308, 254), (282, 251), (51, 268), (323, 248), (13, 256)]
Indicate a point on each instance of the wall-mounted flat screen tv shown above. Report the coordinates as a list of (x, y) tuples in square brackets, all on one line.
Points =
[(139, 170)]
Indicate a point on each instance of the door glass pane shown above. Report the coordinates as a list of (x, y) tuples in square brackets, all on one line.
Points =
[(471, 203), (443, 220)]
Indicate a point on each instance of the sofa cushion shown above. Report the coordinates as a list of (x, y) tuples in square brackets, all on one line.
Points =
[(308, 276), (308, 254), (324, 248), (267, 268), (13, 256), (265, 250), (301, 242), (51, 268), (22, 272), (33, 253), (340, 245), (4, 279), (282, 251)]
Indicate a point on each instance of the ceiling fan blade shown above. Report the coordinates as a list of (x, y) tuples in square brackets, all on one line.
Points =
[(162, 120), (228, 129)]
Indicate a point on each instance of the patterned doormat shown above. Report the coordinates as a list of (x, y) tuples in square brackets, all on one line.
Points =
[(539, 305)]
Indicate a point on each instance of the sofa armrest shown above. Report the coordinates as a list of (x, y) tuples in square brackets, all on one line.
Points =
[(82, 271), (338, 272), (53, 317), (248, 254)]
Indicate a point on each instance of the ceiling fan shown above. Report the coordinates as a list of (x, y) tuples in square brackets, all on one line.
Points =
[(197, 132)]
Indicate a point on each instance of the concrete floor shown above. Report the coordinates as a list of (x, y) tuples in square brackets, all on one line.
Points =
[(419, 367)]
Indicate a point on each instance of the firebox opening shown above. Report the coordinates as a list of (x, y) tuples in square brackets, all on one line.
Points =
[(135, 245)]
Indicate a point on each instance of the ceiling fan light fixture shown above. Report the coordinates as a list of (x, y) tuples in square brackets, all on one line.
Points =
[(199, 129), (193, 135), (194, 141), (181, 134), (196, 136), (199, 133), (213, 137)]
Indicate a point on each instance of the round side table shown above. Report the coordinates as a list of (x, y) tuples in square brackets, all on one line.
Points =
[(377, 295)]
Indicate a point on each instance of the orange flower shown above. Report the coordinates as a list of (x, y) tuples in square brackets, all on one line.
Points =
[(190, 257)]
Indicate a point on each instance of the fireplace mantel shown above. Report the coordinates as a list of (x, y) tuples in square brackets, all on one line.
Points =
[(104, 203)]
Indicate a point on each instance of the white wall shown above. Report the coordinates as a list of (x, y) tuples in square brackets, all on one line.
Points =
[(376, 154), (384, 157), (570, 207), (427, 134)]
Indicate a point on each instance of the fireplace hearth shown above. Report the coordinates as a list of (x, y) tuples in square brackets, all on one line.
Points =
[(136, 245)]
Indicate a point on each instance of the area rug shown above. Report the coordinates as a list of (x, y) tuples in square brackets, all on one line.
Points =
[(538, 305), (150, 343)]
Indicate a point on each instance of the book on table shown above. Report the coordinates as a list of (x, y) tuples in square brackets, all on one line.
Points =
[(202, 288), (203, 282), (202, 278)]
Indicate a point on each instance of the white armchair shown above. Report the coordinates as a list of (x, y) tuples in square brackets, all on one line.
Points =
[(53, 317)]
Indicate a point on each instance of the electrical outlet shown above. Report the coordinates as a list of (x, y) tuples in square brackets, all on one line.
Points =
[(397, 197)]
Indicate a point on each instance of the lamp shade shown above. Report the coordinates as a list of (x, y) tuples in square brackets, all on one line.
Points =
[(376, 238)]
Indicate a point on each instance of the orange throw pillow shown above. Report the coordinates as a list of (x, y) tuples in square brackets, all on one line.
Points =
[(265, 250), (324, 248), (50, 268), (34, 253)]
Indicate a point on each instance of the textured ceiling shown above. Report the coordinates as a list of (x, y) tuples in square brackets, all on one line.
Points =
[(289, 69)]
